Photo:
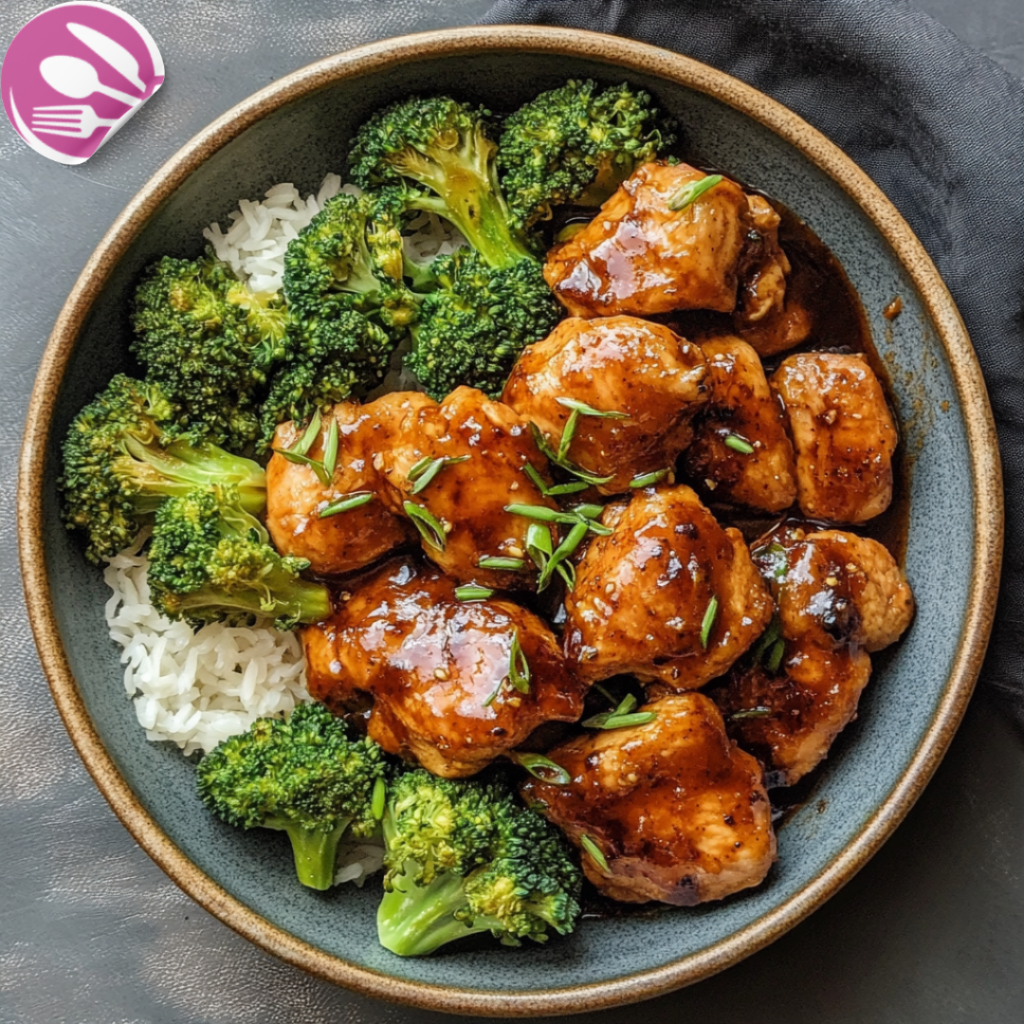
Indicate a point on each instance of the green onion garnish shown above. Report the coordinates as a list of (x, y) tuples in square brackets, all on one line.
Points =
[(542, 768), (347, 502), (380, 792), (708, 622), (622, 717), (561, 554), (738, 716), (648, 479), (426, 469), (538, 544), (498, 562), (560, 460), (304, 443), (331, 448), (473, 593), (588, 410), (541, 512), (776, 655), (304, 460), (518, 666), (768, 638), (549, 492), (692, 191), (426, 522), (596, 855), (738, 444)]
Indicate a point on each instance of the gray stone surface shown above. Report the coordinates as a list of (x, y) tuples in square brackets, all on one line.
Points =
[(91, 930)]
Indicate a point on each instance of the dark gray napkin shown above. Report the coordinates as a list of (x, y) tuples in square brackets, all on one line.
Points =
[(939, 127)]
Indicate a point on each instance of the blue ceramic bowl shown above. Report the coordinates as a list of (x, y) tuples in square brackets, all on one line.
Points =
[(296, 130)]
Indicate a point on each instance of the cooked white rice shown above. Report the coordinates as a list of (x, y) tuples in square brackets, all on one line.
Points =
[(197, 688)]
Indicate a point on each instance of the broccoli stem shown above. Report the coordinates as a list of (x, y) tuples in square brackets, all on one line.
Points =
[(295, 601), (416, 920), (315, 852)]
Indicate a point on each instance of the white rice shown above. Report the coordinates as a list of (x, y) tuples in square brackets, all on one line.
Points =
[(259, 232), (197, 688)]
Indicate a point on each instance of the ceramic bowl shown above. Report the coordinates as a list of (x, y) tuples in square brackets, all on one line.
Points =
[(296, 130)]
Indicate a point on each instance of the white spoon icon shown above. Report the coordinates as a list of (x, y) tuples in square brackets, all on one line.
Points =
[(77, 78)]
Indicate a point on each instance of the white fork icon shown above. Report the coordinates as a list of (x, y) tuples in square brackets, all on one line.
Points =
[(75, 121)]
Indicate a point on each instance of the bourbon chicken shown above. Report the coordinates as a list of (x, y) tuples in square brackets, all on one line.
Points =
[(639, 256), (646, 379), (843, 432), (669, 596), (741, 453), (462, 462), (839, 597), (677, 812), (453, 684), (299, 516)]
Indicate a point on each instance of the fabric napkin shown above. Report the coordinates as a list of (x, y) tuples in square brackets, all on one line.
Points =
[(938, 126)]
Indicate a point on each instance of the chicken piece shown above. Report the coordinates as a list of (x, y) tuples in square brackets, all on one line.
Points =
[(765, 268), (646, 593), (619, 364), (296, 497), (639, 257), (679, 812), (741, 407), (439, 670), (839, 596), (468, 498), (843, 432)]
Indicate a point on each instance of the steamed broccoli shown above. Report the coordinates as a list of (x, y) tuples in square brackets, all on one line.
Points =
[(208, 341), (463, 857), (473, 327), (440, 153), (210, 560), (304, 776), (576, 144), (122, 460), (339, 357), (349, 257)]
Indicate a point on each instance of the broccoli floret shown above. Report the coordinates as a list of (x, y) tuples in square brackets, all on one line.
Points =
[(208, 341), (576, 144), (463, 857), (304, 776), (212, 561), (339, 357), (440, 153), (122, 460), (473, 327), (349, 257)]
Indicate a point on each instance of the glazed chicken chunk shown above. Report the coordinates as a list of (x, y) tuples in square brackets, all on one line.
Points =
[(669, 596), (299, 515), (839, 597), (453, 684), (649, 377), (741, 452), (640, 257), (844, 435), (462, 463), (678, 811)]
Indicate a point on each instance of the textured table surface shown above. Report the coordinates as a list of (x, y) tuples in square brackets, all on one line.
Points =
[(91, 931)]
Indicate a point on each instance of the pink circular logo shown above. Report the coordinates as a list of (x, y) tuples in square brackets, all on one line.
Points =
[(74, 74)]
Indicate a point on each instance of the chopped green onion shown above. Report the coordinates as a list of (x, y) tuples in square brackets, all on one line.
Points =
[(498, 562), (347, 503), (518, 666), (568, 573), (588, 511), (759, 712), (738, 444), (331, 448), (542, 512), (561, 554), (304, 460), (776, 655), (568, 434), (648, 479), (380, 792), (426, 522), (588, 410), (473, 593), (708, 623), (768, 637), (596, 855), (552, 456), (304, 443), (622, 717), (538, 544), (692, 191), (538, 481), (426, 473), (542, 768)]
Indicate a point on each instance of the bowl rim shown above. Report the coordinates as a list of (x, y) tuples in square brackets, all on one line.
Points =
[(627, 55)]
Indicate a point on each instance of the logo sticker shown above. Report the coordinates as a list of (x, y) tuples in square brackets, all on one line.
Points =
[(74, 74)]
